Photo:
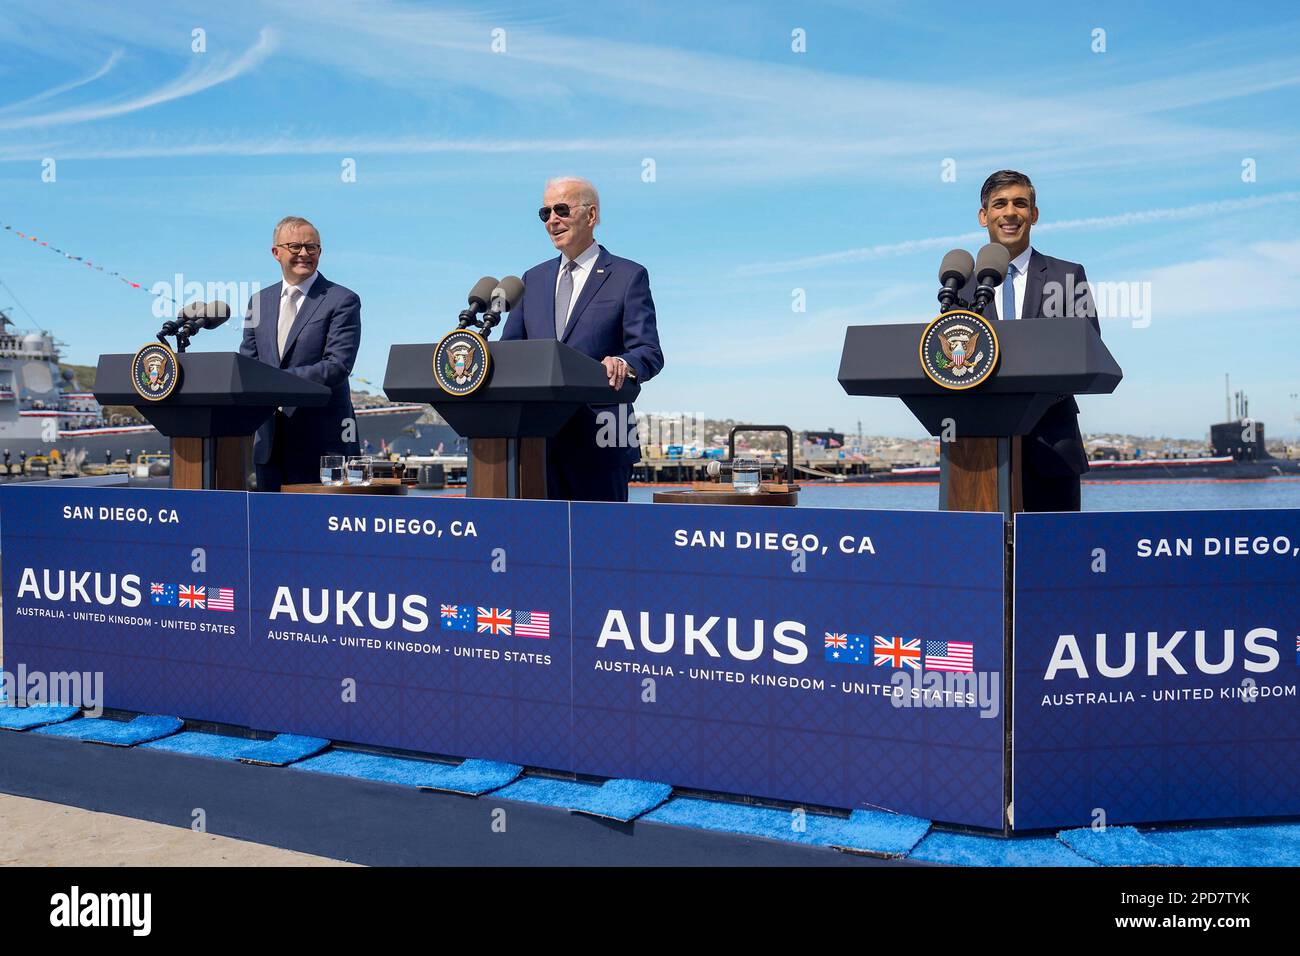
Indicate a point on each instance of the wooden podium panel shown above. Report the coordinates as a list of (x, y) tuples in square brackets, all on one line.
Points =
[(974, 479), (189, 469), (490, 468)]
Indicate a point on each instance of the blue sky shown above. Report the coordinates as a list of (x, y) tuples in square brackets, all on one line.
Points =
[(773, 171)]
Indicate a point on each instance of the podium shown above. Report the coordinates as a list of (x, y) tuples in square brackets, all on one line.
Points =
[(1041, 361), (534, 387), (222, 398)]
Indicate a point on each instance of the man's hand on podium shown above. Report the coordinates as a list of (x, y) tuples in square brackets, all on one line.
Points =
[(617, 370)]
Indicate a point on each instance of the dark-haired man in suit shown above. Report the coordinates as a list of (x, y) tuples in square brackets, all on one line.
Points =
[(1038, 286), (601, 305), (311, 327)]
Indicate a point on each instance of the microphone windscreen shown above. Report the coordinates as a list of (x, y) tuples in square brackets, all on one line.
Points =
[(192, 310), (508, 293), (957, 264), (215, 313), (481, 294), (991, 264)]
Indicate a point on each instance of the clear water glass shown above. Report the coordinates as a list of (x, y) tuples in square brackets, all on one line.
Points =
[(331, 470), (745, 475), (359, 470)]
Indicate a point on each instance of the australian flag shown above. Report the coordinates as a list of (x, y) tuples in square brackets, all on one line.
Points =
[(457, 617), (848, 648), (162, 594)]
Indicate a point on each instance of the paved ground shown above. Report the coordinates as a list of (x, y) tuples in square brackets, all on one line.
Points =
[(35, 833)]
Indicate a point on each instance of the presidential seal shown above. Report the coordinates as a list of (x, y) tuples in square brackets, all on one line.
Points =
[(461, 362), (959, 349), (155, 372)]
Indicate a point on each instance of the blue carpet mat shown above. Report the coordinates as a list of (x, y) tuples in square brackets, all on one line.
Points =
[(118, 733), (866, 831), (281, 750), (621, 800), (1276, 845), (1117, 846), (284, 749), (960, 849), (38, 715), (471, 777)]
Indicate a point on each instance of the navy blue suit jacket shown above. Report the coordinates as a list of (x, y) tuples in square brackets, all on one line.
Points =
[(1054, 289), (614, 315), (322, 348)]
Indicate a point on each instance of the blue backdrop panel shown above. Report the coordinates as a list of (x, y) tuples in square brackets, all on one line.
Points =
[(801, 720), (135, 613), (473, 681), (1206, 724)]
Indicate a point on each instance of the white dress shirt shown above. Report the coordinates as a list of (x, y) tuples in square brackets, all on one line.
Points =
[(303, 287), (1021, 262)]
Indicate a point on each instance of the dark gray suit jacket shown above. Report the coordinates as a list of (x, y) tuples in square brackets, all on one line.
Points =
[(1054, 289)]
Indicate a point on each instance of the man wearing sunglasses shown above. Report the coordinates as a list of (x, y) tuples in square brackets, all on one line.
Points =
[(600, 305), (311, 327)]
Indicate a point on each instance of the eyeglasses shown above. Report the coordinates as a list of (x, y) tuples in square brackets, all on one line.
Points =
[(562, 209), (311, 248)]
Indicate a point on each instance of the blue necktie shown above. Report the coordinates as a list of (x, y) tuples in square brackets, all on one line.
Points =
[(1009, 295)]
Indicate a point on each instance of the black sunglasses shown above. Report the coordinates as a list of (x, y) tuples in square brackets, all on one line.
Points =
[(562, 209)]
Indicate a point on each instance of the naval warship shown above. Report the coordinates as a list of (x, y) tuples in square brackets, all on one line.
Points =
[(43, 409)]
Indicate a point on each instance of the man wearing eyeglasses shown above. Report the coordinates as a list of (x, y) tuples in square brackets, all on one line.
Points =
[(600, 305), (310, 326)]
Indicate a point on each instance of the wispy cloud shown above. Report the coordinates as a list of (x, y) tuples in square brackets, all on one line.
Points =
[(198, 78), (113, 59), (1117, 221)]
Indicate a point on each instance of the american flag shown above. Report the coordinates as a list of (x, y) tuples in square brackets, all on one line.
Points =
[(162, 594), (533, 624), (221, 599), (949, 656), (457, 617), (193, 595), (896, 652), (494, 620)]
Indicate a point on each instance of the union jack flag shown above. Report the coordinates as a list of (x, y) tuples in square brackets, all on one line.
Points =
[(193, 595), (837, 640), (896, 652), (494, 620)]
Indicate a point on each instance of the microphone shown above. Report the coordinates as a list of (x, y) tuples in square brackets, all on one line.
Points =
[(215, 313), (183, 318), (203, 315), (507, 294), (990, 271), (954, 272), (479, 297)]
